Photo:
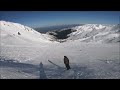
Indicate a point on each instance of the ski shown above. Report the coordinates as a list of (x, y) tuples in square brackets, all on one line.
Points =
[(55, 64)]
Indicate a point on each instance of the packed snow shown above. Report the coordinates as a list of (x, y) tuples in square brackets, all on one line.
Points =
[(26, 55)]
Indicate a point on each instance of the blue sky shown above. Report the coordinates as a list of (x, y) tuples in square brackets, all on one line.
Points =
[(49, 18)]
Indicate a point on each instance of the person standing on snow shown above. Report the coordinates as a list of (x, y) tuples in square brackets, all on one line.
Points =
[(66, 62)]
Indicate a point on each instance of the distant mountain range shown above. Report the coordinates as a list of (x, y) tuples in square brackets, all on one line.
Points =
[(15, 33), (89, 33), (56, 27)]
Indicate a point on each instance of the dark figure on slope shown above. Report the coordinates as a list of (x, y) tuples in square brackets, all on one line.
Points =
[(42, 72), (66, 62), (19, 33)]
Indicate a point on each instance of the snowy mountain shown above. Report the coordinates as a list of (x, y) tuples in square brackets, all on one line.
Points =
[(14, 33), (96, 32), (90, 33), (54, 27), (24, 52)]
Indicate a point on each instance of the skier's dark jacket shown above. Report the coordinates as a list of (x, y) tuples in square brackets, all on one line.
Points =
[(66, 60)]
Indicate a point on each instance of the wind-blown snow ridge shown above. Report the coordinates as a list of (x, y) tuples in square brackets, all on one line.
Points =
[(89, 27)]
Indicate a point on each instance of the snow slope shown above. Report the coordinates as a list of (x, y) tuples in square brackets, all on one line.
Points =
[(9, 34), (95, 33), (88, 60)]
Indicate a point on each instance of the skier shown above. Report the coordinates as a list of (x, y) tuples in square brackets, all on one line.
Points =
[(66, 62)]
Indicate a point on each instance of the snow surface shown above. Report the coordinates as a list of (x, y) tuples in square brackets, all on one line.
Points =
[(9, 34), (95, 33), (92, 60)]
